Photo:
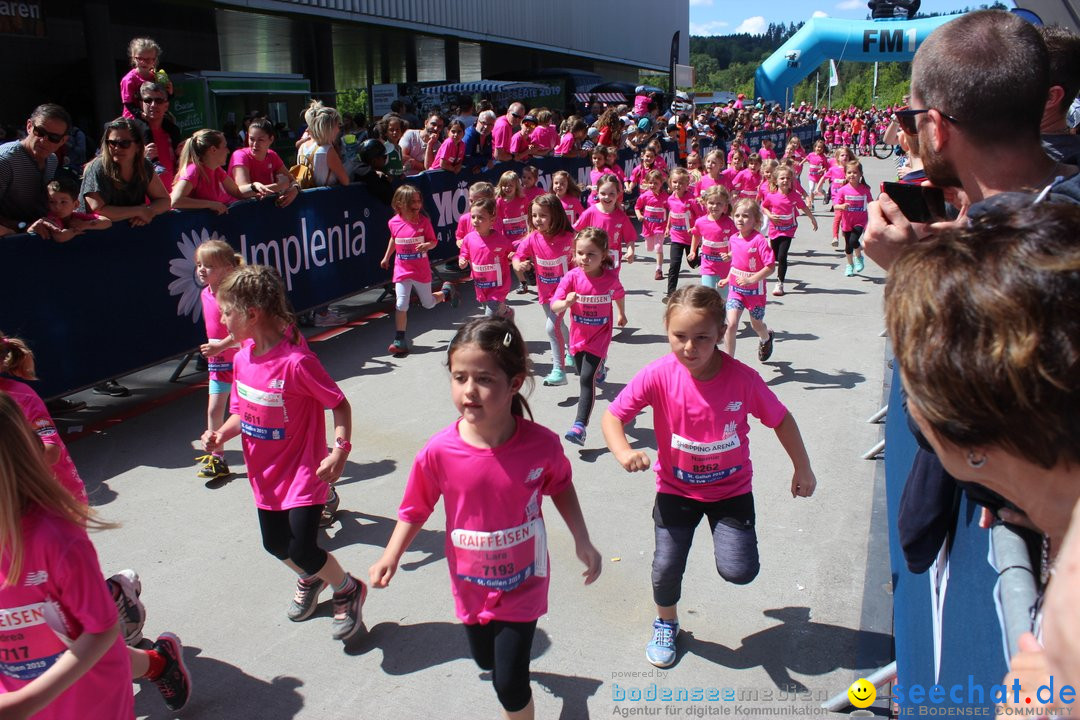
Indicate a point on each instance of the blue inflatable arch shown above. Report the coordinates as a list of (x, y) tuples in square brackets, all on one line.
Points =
[(821, 39)]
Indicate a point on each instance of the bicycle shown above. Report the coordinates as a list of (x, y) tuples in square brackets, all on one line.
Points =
[(883, 150)]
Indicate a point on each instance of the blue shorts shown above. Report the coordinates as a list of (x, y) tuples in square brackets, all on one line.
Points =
[(735, 302), (218, 387)]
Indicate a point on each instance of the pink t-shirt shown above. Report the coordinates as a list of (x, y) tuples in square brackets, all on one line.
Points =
[(573, 207), (702, 433), (856, 198), (129, 90), (715, 240), (451, 150), (513, 214), (653, 209), (566, 144), (263, 171), (546, 136), (61, 570), (836, 175), (616, 224), (707, 182), (637, 175), (641, 105), (816, 163), (490, 260), (280, 397), (220, 366), (682, 212), (531, 193), (746, 183), (749, 256), (42, 424), (496, 543), (727, 177), (501, 134), (411, 264), (166, 155), (785, 208), (206, 185), (551, 259), (766, 154), (464, 226), (591, 313)]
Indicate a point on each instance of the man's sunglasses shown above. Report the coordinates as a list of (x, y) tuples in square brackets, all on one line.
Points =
[(50, 136), (906, 119), (123, 144), (155, 100)]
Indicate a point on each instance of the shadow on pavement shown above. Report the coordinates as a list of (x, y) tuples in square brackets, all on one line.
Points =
[(356, 528), (813, 379), (409, 649)]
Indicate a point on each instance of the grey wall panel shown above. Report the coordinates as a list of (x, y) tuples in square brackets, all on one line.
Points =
[(635, 32)]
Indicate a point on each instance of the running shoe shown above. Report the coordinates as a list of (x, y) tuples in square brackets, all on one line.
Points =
[(661, 649), (174, 684), (63, 406), (522, 289), (330, 509), (779, 291), (126, 589), (576, 434), (507, 313), (849, 271), (111, 387), (399, 348), (306, 599), (213, 467), (329, 318), (601, 374), (659, 274), (835, 242), (764, 351), (859, 264), (450, 294), (568, 362), (557, 377), (348, 611)]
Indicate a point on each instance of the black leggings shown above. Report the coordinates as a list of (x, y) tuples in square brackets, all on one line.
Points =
[(851, 240), (780, 247), (675, 265), (293, 535), (504, 649), (586, 364)]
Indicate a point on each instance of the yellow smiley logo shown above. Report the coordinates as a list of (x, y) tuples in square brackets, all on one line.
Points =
[(861, 693)]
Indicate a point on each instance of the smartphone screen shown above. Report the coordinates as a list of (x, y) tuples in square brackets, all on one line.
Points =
[(920, 204)]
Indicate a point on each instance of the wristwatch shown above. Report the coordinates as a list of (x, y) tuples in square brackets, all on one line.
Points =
[(343, 444)]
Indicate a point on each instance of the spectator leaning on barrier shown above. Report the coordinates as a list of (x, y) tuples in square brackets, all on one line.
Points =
[(503, 132), (28, 166), (478, 143), (324, 127), (119, 181), (417, 153)]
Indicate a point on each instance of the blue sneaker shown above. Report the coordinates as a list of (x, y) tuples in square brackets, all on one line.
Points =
[(576, 434), (859, 264), (661, 651), (557, 377), (601, 374), (450, 294), (568, 362), (849, 271)]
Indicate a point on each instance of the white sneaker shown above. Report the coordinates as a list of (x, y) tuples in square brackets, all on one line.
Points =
[(128, 605), (779, 291), (329, 318)]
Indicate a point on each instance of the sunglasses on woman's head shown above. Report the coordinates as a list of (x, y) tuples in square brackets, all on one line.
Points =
[(123, 144)]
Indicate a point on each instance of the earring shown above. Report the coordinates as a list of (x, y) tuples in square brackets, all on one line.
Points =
[(975, 461)]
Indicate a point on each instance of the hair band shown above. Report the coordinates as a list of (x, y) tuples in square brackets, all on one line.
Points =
[(507, 340)]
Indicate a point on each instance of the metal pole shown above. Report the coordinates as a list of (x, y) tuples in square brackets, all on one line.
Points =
[(817, 89), (873, 98), (1016, 582), (877, 678)]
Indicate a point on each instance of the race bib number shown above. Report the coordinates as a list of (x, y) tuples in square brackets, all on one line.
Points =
[(594, 310), (28, 646), (262, 413), (680, 222), (488, 276), (502, 559), (702, 463), (784, 222), (754, 289), (406, 247), (712, 250), (550, 270), (514, 227), (654, 216), (217, 364)]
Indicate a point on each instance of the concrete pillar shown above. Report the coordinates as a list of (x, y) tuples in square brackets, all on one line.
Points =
[(102, 70)]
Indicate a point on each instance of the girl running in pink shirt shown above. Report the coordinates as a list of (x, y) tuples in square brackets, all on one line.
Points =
[(652, 213), (589, 291), (817, 162), (711, 239), (599, 170), (836, 174), (647, 165), (201, 183), (608, 215), (569, 195), (701, 400), (683, 211), (411, 236), (714, 173), (512, 210), (751, 262), (853, 199), (214, 260), (781, 206), (530, 177), (745, 184), (488, 251), (549, 250), (492, 468), (477, 191), (72, 658), (279, 395)]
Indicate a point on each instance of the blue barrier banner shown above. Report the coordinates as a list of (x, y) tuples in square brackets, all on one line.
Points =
[(805, 133), (113, 301)]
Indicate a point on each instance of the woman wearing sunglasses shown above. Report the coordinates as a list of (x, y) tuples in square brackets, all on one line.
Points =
[(120, 183)]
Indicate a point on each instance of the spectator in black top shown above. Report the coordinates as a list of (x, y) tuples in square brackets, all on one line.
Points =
[(28, 166), (160, 135), (478, 143)]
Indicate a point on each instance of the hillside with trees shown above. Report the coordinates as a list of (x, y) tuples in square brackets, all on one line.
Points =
[(728, 62)]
